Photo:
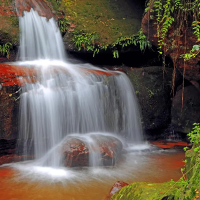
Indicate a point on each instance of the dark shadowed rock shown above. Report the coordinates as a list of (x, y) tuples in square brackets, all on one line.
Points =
[(153, 88), (184, 117), (77, 151)]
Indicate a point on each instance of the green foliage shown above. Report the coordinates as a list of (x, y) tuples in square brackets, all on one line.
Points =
[(63, 24), (185, 14), (58, 2), (85, 41), (5, 49), (192, 54), (194, 137), (88, 41), (138, 39)]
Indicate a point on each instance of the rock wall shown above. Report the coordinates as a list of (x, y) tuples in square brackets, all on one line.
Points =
[(153, 89)]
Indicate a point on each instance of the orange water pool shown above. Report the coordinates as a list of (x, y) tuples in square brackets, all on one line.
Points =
[(26, 183)]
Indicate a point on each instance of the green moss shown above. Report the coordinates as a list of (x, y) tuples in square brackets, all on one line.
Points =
[(9, 30), (102, 17), (114, 24), (146, 191), (98, 24)]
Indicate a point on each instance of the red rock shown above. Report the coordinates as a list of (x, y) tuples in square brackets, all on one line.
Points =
[(76, 152), (99, 72), (13, 158), (171, 144), (115, 188), (42, 7), (11, 75)]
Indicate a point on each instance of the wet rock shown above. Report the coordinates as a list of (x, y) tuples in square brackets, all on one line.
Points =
[(153, 88), (183, 116), (7, 147), (115, 188), (14, 158), (171, 144), (12, 78), (40, 6), (77, 151)]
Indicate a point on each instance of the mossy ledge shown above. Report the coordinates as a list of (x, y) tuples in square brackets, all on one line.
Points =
[(87, 26), (187, 188)]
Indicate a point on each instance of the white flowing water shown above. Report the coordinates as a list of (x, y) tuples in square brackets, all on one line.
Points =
[(40, 39), (67, 99)]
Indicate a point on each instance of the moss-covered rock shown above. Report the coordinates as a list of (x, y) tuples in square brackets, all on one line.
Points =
[(109, 20), (187, 188), (146, 191), (88, 25), (9, 23)]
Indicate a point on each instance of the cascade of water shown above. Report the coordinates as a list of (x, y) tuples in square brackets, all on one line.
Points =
[(66, 100), (40, 39)]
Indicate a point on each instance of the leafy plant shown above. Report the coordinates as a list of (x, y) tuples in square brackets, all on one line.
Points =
[(88, 41), (5, 49), (185, 14), (85, 41), (63, 24), (194, 137)]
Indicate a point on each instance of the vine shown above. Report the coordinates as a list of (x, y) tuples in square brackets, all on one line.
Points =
[(180, 11), (174, 20)]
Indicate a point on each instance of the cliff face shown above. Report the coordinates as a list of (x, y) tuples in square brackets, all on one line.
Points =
[(178, 40)]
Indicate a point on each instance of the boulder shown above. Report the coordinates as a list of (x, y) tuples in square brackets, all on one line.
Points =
[(77, 151)]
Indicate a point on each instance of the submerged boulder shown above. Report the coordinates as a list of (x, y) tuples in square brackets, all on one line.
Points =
[(93, 150)]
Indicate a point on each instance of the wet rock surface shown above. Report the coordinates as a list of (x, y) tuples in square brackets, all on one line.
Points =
[(42, 7), (115, 188), (171, 144), (77, 152), (12, 78), (185, 109)]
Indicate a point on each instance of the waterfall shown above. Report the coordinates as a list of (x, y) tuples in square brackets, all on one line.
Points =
[(67, 99), (40, 39)]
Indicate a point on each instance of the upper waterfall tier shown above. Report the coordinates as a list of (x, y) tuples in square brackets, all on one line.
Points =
[(39, 39)]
